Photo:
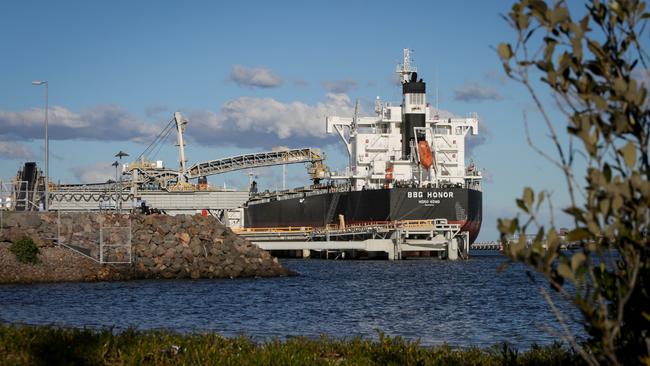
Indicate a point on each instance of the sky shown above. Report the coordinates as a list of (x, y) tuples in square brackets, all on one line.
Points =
[(250, 76)]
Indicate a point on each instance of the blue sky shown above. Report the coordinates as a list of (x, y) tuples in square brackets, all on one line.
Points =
[(252, 75)]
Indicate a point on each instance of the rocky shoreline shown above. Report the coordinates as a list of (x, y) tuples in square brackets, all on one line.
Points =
[(161, 247)]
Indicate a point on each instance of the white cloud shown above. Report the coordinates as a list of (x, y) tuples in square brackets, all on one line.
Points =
[(249, 121), (14, 150), (260, 77), (102, 122), (268, 123), (94, 173), (340, 86), (476, 93)]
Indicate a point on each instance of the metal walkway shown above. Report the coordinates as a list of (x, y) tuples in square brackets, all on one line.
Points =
[(493, 245), (393, 238)]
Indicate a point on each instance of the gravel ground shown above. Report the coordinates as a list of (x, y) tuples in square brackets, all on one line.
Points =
[(56, 265)]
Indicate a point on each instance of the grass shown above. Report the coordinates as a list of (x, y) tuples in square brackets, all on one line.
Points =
[(27, 345)]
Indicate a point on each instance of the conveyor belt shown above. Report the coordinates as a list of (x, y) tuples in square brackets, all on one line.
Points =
[(256, 160)]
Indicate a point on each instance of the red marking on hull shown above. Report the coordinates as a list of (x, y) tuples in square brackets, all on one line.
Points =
[(472, 226)]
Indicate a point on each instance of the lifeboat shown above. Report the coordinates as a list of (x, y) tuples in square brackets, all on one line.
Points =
[(426, 157), (389, 173)]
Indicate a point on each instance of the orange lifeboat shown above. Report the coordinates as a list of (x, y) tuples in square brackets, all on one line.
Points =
[(389, 173), (426, 158)]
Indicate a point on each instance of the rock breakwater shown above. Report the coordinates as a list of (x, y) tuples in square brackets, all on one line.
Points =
[(130, 246)]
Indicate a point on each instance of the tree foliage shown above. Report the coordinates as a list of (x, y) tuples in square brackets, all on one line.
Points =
[(595, 68)]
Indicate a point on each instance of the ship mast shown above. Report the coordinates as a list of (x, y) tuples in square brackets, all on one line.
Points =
[(413, 106), (405, 68)]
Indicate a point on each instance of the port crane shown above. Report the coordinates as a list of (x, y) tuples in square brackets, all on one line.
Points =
[(143, 171)]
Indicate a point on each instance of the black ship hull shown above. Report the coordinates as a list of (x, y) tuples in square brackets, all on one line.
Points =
[(457, 205)]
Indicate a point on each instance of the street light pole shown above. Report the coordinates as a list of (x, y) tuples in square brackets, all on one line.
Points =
[(116, 164), (47, 144), (119, 155)]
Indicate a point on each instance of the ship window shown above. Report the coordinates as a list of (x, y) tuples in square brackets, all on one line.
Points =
[(441, 130)]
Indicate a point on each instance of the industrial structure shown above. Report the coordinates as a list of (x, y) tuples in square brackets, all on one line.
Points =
[(406, 189)]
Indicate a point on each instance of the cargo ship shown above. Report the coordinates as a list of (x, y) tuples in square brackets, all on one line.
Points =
[(405, 163)]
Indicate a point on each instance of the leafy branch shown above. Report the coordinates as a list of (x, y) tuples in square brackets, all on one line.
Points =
[(589, 65)]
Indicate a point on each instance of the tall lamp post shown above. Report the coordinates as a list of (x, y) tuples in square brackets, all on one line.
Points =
[(120, 155), (47, 146), (116, 164)]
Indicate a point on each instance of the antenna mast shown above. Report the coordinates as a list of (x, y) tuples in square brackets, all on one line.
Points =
[(405, 69)]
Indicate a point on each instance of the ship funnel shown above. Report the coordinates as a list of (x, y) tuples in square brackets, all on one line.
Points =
[(413, 112)]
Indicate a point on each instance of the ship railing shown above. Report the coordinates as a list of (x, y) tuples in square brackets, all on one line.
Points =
[(284, 229)]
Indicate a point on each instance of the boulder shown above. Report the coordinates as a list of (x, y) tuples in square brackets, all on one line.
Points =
[(183, 238), (12, 234)]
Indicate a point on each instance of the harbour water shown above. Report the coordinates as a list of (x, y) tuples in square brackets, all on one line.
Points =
[(461, 303)]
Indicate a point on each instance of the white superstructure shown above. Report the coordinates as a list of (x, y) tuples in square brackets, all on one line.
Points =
[(380, 157)]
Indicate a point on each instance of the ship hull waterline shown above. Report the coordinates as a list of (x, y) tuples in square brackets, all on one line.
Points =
[(457, 205)]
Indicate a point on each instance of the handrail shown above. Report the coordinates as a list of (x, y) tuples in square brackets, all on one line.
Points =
[(397, 224)]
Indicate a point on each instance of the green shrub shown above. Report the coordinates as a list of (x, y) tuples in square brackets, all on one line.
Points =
[(25, 250)]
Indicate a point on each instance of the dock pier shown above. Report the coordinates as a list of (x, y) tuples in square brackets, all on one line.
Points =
[(394, 239), (492, 245)]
